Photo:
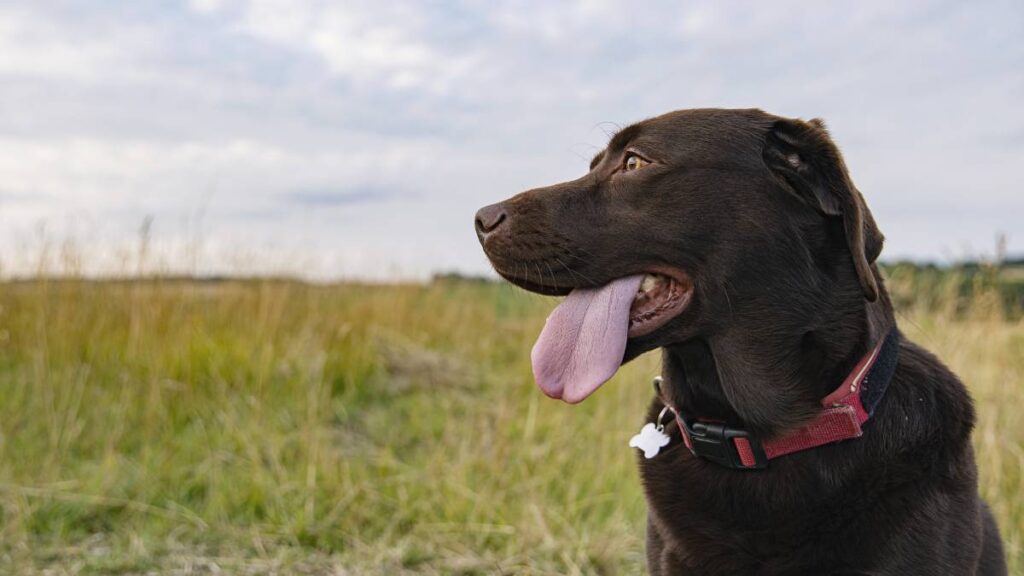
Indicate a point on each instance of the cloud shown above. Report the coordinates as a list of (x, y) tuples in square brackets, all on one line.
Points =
[(31, 46), (369, 44), (344, 197), (22, 197), (206, 6), (91, 174), (368, 135)]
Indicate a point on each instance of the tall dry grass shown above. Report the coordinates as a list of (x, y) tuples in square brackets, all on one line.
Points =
[(270, 426)]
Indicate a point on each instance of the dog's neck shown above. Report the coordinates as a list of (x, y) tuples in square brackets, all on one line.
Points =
[(782, 381)]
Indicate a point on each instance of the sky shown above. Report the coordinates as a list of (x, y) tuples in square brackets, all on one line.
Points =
[(357, 140)]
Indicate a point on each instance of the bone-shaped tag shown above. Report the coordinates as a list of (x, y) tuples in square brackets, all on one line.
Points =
[(650, 439)]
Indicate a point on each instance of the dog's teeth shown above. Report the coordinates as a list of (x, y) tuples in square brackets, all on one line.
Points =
[(649, 283)]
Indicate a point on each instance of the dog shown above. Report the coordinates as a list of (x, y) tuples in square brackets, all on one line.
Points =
[(794, 430)]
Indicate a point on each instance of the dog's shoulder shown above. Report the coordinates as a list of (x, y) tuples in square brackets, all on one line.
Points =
[(921, 430), (929, 399)]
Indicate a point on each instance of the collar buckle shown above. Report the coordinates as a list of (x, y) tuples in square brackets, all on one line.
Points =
[(723, 445)]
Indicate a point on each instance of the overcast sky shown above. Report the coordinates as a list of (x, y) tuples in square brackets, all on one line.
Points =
[(339, 141)]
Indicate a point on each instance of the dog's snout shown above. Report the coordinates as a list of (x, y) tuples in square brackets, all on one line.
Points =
[(489, 218)]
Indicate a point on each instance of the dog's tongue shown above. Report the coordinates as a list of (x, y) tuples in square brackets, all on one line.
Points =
[(584, 339)]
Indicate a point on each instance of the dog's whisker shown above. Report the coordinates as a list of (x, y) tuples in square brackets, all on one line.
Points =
[(567, 269), (554, 281), (579, 155), (540, 274), (575, 273), (725, 290), (582, 249), (607, 133)]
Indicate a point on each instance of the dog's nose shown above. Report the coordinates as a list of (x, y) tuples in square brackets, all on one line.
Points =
[(489, 218)]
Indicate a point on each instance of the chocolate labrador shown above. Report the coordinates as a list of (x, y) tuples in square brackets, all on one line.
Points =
[(793, 429)]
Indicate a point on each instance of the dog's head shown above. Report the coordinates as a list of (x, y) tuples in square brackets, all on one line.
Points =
[(734, 227)]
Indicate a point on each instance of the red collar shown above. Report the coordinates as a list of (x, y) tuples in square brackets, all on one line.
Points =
[(843, 415)]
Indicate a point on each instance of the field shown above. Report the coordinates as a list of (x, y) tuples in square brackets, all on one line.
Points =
[(276, 427)]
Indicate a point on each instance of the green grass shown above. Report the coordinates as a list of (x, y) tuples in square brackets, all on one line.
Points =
[(272, 427)]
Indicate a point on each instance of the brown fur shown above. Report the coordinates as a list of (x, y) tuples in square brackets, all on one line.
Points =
[(760, 211)]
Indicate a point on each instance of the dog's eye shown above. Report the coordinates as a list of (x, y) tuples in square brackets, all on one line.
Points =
[(634, 162)]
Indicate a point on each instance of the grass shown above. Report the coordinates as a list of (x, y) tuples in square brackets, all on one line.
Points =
[(275, 427)]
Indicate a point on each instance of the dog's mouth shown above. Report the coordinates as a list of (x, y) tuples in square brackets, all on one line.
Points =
[(584, 339), (659, 299), (662, 295)]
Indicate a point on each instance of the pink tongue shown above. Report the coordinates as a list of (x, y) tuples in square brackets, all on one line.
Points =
[(584, 339)]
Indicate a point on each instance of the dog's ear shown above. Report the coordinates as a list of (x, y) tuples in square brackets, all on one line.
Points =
[(806, 161)]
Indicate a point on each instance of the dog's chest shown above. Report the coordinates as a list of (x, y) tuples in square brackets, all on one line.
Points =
[(717, 521)]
